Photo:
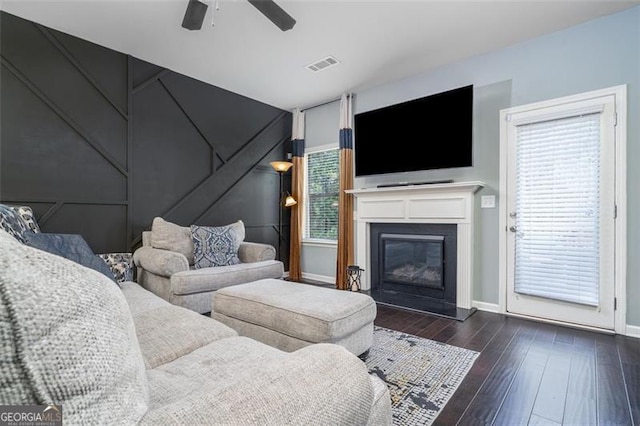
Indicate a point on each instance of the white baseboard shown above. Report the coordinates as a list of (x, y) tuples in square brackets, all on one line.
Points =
[(633, 331), (320, 278), (484, 306)]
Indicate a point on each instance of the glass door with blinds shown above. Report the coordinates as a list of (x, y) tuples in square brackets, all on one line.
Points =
[(561, 207)]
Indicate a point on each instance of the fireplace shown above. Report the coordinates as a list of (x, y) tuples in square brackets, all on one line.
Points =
[(414, 265), (450, 204)]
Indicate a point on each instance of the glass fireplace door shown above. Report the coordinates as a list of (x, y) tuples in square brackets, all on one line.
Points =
[(416, 260)]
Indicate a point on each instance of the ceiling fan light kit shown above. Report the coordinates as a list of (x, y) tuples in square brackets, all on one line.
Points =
[(194, 16), (196, 11)]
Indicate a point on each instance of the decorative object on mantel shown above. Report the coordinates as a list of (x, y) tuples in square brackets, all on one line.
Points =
[(421, 374), (287, 200), (353, 277)]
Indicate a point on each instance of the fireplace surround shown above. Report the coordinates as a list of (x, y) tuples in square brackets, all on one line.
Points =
[(444, 203), (414, 265)]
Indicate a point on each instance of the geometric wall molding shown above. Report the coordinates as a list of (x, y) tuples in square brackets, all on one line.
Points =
[(99, 142)]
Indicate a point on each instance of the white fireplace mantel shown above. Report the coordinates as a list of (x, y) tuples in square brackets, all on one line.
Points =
[(451, 203)]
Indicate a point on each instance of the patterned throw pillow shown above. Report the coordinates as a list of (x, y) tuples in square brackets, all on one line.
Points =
[(12, 223), (27, 216), (121, 265), (217, 245)]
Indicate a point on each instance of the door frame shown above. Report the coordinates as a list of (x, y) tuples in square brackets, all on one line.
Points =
[(620, 196)]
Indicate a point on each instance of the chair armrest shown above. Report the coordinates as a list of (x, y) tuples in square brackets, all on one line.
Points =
[(160, 262), (256, 252)]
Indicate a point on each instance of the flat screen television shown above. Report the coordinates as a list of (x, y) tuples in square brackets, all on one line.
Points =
[(433, 132)]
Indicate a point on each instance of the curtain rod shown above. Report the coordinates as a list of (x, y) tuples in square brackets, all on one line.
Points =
[(330, 101)]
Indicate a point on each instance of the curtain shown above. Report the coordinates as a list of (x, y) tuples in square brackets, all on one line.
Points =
[(345, 201), (297, 190)]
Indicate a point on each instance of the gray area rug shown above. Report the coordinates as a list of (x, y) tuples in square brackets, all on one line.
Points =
[(421, 374)]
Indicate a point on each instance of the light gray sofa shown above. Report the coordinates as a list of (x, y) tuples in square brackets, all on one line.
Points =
[(120, 355), (165, 266)]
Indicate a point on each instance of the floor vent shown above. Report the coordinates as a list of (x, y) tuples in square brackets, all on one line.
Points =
[(323, 64)]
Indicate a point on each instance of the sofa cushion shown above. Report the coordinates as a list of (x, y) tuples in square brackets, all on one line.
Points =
[(169, 236), (69, 246), (216, 245), (73, 341), (12, 223), (170, 332), (139, 299), (239, 381), (166, 332)]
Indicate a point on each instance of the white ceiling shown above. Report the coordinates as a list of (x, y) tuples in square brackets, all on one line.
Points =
[(376, 41)]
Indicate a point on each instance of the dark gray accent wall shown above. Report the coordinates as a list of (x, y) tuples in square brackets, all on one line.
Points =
[(99, 143)]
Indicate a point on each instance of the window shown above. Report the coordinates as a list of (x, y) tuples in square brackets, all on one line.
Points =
[(322, 188)]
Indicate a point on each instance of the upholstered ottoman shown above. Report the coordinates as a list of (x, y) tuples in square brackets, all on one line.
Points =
[(289, 315)]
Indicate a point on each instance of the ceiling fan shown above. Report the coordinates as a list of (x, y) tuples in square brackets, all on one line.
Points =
[(196, 10)]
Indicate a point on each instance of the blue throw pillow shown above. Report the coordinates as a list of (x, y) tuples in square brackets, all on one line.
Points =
[(216, 245), (69, 246)]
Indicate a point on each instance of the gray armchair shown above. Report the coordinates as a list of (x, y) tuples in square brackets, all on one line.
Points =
[(169, 272)]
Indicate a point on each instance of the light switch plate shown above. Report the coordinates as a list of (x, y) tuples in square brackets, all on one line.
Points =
[(488, 201)]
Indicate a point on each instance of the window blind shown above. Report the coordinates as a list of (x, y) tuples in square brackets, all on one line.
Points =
[(557, 247), (323, 186)]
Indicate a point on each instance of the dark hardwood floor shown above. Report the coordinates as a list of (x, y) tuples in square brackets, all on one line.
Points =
[(531, 373)]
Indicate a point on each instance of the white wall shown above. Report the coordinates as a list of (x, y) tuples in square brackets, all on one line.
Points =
[(594, 55)]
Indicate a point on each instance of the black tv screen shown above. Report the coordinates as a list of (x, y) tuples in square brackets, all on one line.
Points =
[(433, 132)]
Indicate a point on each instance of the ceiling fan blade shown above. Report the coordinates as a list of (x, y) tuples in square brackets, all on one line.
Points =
[(274, 13)]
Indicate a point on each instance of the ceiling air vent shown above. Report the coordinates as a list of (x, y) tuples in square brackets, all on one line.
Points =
[(323, 64)]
